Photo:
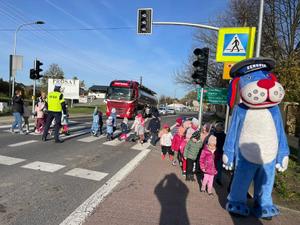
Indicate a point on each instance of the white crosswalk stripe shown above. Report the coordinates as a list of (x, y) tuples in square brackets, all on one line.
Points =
[(6, 160), (91, 139), (22, 143), (140, 146), (86, 174), (43, 166)]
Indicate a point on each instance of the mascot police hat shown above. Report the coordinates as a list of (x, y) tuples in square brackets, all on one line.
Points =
[(258, 86)]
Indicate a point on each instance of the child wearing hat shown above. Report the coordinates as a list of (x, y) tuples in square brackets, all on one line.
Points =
[(191, 151), (178, 124), (109, 128), (166, 142), (208, 164)]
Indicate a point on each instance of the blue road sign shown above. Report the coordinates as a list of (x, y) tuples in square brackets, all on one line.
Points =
[(235, 44)]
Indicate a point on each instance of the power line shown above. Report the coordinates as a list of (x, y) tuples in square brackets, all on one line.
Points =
[(72, 29)]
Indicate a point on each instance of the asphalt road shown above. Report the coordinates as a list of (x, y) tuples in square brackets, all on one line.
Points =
[(44, 182)]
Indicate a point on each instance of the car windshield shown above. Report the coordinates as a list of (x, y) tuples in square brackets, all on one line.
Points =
[(119, 93)]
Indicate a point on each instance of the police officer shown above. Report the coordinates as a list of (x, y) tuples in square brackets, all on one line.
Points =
[(55, 104)]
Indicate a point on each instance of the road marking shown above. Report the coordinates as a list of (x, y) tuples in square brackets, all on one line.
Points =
[(91, 138), (114, 142), (22, 143), (6, 160), (86, 131), (140, 146), (9, 126), (43, 166), (80, 214), (87, 174)]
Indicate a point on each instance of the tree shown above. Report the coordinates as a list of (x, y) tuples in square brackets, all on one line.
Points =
[(189, 98), (54, 72), (81, 82)]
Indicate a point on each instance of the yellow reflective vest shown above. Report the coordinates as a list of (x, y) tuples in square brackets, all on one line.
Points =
[(55, 99)]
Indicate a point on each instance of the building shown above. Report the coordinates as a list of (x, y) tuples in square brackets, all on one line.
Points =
[(98, 91)]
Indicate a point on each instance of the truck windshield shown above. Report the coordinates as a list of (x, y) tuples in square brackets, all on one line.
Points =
[(119, 93)]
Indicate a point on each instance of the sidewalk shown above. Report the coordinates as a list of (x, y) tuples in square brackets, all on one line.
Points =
[(156, 193)]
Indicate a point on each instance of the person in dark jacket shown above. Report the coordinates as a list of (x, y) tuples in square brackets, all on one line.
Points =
[(220, 135), (17, 108), (154, 127)]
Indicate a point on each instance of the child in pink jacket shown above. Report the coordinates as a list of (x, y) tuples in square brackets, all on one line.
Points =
[(208, 164), (176, 142)]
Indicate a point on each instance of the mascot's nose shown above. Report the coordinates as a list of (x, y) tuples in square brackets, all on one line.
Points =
[(266, 83)]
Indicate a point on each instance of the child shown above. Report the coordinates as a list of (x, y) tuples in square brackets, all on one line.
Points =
[(109, 128), (40, 121), (166, 142), (138, 127), (154, 127), (190, 154), (26, 115), (65, 124), (141, 129), (178, 138), (95, 123), (178, 124), (208, 164), (124, 129), (220, 135), (100, 114), (193, 127), (114, 116)]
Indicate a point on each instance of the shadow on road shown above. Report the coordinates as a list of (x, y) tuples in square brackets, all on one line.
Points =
[(172, 194)]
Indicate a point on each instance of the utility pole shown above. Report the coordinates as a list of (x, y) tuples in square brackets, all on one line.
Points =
[(260, 21)]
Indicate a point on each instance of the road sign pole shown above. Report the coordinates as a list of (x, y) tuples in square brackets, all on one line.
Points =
[(226, 119), (200, 108), (33, 92), (261, 14)]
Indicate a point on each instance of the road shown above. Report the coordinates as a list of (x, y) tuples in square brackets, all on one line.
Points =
[(44, 182)]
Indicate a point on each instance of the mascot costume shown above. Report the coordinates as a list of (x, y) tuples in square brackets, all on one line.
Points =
[(256, 143)]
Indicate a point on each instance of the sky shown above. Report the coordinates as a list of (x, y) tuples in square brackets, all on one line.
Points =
[(113, 50)]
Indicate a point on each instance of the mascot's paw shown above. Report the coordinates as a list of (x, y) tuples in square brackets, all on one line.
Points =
[(227, 165), (238, 208), (266, 212), (283, 165)]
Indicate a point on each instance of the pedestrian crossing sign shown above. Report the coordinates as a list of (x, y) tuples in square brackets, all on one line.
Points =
[(235, 44)]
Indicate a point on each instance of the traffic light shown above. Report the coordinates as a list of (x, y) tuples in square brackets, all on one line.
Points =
[(38, 69), (32, 74), (144, 25), (201, 64)]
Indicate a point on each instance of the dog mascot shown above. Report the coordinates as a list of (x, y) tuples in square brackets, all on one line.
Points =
[(256, 143)]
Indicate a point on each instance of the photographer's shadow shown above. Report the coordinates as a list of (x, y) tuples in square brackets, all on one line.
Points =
[(172, 194)]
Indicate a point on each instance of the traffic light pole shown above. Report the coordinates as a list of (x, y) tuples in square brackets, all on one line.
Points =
[(200, 108), (187, 24), (33, 91)]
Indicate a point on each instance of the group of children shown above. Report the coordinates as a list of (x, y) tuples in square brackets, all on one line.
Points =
[(197, 150)]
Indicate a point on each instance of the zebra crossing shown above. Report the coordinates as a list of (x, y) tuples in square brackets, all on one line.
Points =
[(78, 134)]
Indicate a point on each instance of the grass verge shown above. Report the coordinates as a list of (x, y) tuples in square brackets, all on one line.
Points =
[(287, 184), (85, 109)]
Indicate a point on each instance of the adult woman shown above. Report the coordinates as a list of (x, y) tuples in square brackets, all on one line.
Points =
[(17, 108)]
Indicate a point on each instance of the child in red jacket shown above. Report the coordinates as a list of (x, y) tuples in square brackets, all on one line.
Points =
[(176, 142), (208, 164)]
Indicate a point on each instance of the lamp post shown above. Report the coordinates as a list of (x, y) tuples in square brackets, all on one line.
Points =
[(13, 72)]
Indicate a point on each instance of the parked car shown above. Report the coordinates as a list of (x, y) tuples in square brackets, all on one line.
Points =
[(171, 111), (162, 110)]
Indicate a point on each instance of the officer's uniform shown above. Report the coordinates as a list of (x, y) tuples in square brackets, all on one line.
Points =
[(55, 104)]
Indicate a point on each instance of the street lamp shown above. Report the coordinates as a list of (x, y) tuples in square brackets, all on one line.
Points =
[(12, 73)]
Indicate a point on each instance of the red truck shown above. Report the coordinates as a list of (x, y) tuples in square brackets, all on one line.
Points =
[(129, 98)]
